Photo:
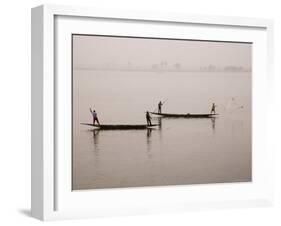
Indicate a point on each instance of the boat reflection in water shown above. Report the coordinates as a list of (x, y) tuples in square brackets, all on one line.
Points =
[(97, 133), (149, 139)]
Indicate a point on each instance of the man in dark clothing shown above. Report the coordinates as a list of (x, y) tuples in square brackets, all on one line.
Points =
[(160, 107), (95, 116), (213, 110), (148, 118)]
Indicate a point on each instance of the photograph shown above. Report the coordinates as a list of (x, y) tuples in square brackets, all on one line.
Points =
[(149, 111)]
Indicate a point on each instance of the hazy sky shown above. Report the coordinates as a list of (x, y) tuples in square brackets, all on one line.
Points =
[(98, 51)]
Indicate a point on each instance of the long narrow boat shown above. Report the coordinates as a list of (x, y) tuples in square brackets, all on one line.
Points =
[(121, 127), (184, 115)]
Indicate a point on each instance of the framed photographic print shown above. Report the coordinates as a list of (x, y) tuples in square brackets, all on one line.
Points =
[(136, 112)]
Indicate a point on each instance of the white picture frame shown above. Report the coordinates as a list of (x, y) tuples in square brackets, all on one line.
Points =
[(52, 197)]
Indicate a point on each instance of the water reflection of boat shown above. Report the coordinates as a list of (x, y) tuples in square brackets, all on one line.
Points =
[(121, 127), (188, 115)]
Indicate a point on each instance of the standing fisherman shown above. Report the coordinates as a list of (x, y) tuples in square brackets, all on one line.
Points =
[(160, 104), (148, 118), (95, 116), (213, 110)]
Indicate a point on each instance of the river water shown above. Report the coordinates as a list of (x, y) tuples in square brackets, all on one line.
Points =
[(180, 151)]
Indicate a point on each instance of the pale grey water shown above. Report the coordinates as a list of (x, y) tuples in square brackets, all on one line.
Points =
[(181, 151)]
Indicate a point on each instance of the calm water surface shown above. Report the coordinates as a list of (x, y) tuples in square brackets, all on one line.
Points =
[(180, 151)]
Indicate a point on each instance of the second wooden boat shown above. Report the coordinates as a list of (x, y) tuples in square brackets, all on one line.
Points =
[(188, 115)]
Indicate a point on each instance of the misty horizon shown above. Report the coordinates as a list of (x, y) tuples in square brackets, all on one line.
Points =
[(145, 54), (169, 68)]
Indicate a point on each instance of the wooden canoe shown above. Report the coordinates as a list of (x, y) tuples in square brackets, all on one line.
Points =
[(120, 127), (184, 115)]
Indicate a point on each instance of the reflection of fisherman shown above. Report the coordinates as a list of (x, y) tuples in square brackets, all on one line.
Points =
[(160, 104), (213, 110), (148, 118), (95, 116), (148, 134), (213, 119)]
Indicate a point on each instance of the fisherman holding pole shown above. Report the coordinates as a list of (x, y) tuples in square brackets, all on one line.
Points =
[(95, 116), (160, 107), (160, 104), (148, 118), (213, 110)]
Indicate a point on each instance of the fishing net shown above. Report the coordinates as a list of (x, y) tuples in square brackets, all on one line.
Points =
[(232, 105)]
